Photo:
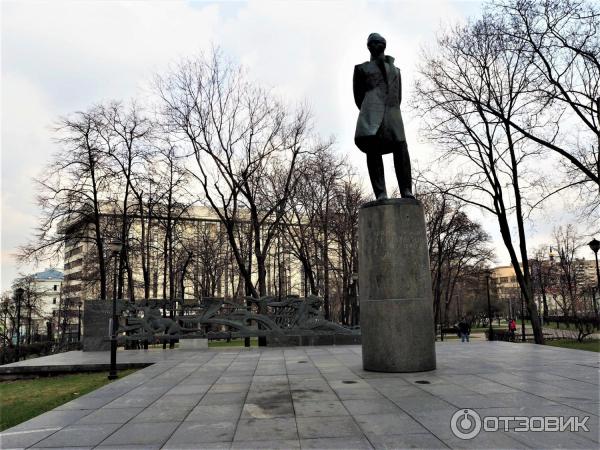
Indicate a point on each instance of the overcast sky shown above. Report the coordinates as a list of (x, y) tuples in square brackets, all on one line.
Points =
[(62, 56)]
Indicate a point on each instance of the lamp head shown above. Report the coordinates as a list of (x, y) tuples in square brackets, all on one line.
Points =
[(594, 245), (115, 246)]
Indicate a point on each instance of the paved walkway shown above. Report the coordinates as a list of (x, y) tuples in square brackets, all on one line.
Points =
[(78, 361), (78, 357), (319, 397)]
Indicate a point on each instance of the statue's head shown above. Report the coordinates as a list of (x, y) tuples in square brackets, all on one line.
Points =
[(376, 44)]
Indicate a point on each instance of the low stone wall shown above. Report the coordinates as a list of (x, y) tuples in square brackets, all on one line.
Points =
[(96, 316)]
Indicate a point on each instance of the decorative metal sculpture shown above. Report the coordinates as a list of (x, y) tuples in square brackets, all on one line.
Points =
[(217, 318)]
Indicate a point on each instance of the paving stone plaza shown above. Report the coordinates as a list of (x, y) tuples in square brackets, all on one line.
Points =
[(320, 397)]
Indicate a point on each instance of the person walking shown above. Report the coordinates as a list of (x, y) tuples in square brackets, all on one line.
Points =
[(512, 328), (465, 330)]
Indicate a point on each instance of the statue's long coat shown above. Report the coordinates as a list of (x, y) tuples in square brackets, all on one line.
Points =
[(378, 99)]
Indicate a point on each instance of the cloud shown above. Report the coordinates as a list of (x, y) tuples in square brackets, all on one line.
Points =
[(26, 136), (59, 57), (63, 56)]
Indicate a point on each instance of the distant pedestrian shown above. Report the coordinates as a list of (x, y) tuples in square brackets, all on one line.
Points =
[(512, 328), (464, 327)]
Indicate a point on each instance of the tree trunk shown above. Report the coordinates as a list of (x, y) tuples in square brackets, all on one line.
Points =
[(526, 274), (326, 261), (143, 255), (97, 227), (182, 278)]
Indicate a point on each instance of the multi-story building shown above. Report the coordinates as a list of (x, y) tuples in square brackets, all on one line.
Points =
[(48, 286), (585, 273), (547, 282), (40, 305), (506, 288), (203, 262)]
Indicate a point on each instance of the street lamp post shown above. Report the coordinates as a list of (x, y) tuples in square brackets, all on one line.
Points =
[(115, 248), (19, 298), (595, 246), (488, 274), (354, 313), (79, 305), (551, 279)]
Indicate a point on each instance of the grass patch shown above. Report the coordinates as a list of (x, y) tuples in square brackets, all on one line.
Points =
[(232, 343), (484, 329), (22, 400), (591, 345), (553, 325)]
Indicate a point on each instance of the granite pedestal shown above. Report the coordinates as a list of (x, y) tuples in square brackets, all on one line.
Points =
[(396, 305)]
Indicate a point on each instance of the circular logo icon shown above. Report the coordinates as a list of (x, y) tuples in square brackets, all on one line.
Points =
[(465, 424)]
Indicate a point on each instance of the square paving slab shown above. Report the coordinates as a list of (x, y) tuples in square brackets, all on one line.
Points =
[(321, 398)]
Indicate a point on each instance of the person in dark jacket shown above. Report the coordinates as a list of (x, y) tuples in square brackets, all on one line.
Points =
[(377, 86), (464, 327)]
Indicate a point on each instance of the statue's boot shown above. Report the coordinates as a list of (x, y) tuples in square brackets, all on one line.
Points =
[(375, 166)]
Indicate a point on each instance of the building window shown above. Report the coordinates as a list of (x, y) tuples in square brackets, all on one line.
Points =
[(55, 287), (54, 301)]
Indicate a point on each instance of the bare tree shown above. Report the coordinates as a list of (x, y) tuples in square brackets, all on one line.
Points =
[(458, 248), (348, 198), (174, 206), (32, 304), (72, 189), (246, 145), (561, 38), (541, 275), (311, 212), (470, 70), (8, 321), (210, 259), (570, 284), (125, 133), (148, 194)]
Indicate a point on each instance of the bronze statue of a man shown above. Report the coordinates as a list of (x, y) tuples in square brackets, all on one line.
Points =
[(379, 129)]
